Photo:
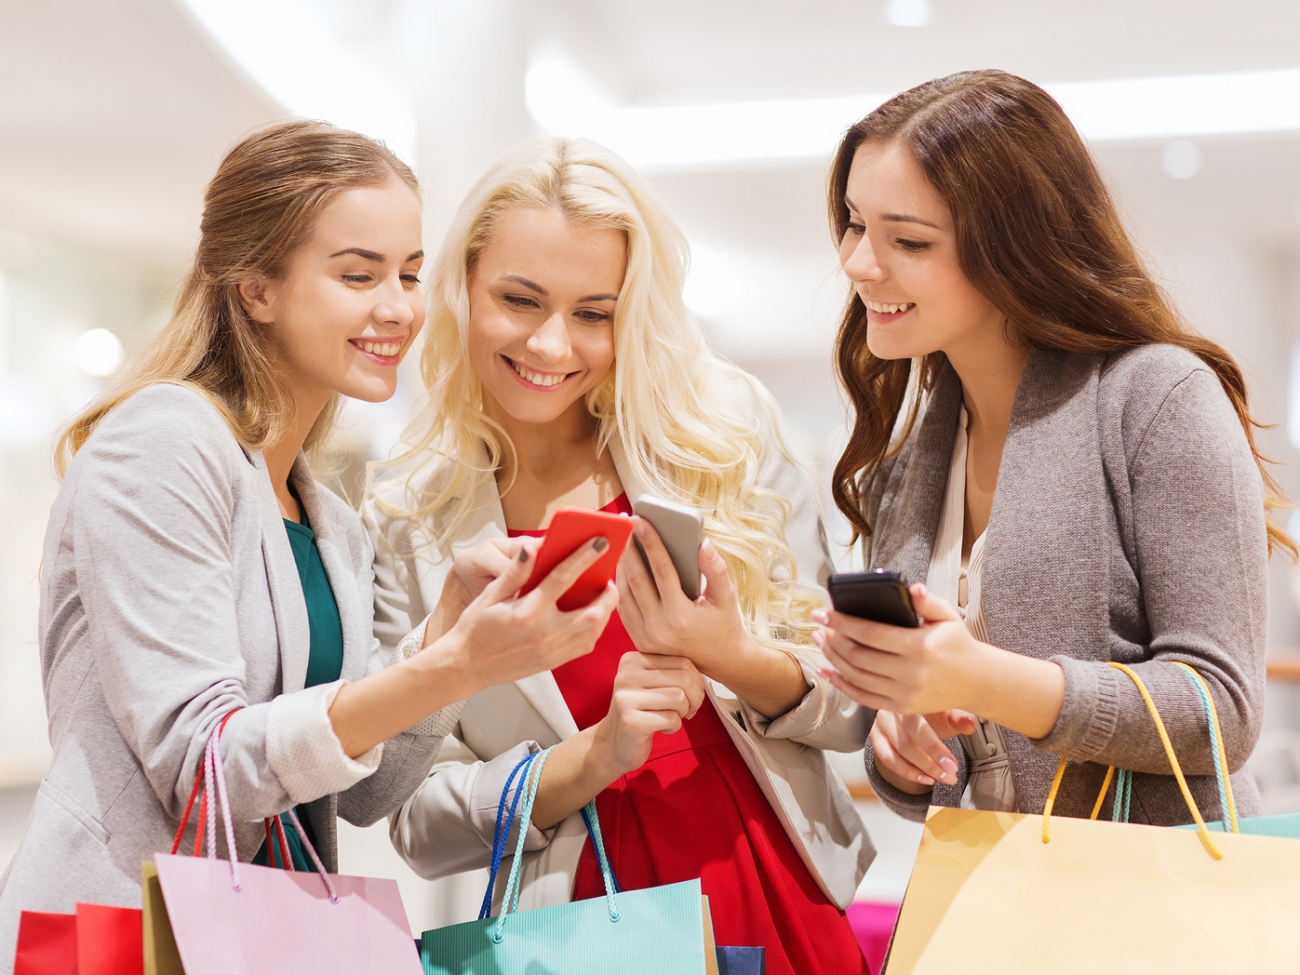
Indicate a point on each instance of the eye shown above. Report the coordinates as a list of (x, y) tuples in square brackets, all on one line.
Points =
[(592, 316), (357, 278), (856, 229), (412, 279), (911, 246), (520, 301)]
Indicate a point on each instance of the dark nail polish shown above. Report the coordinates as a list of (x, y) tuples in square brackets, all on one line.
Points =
[(523, 555), (600, 544)]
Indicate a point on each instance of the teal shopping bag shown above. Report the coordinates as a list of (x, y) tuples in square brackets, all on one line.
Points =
[(658, 931)]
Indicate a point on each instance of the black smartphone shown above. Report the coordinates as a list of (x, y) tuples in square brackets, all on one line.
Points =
[(878, 595)]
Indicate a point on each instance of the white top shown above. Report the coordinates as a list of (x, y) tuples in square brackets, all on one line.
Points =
[(950, 577)]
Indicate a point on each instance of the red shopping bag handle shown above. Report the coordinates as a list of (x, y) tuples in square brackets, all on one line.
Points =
[(203, 806)]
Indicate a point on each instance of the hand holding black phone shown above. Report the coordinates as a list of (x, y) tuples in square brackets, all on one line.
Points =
[(878, 595)]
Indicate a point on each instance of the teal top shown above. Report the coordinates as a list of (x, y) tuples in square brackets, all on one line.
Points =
[(324, 664)]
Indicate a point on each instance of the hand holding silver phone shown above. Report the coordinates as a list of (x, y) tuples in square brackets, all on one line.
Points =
[(681, 529)]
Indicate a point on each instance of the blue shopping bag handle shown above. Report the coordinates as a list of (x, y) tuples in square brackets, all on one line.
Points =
[(531, 768)]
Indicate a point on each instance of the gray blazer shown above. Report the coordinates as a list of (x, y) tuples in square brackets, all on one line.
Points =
[(1127, 525), (169, 597)]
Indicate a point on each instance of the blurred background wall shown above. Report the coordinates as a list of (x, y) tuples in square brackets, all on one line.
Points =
[(114, 115)]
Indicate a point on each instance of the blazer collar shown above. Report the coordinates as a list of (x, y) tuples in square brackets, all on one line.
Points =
[(287, 600), (489, 521)]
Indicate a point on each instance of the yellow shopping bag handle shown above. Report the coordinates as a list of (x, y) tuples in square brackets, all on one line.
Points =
[(1201, 828)]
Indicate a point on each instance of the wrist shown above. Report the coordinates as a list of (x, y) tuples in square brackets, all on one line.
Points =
[(452, 602), (601, 765), (445, 663)]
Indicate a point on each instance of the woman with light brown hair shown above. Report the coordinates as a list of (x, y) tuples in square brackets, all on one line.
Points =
[(195, 574), (1064, 471)]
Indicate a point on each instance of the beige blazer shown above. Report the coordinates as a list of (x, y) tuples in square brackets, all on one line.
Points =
[(446, 827)]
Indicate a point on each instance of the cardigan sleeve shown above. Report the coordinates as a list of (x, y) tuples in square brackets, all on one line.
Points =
[(1201, 556)]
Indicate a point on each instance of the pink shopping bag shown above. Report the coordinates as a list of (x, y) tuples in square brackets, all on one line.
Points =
[(227, 916)]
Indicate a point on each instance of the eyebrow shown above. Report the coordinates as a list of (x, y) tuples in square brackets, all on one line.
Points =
[(372, 255), (534, 286), (901, 218)]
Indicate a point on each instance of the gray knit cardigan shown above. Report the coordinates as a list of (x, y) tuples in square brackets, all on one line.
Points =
[(1127, 525)]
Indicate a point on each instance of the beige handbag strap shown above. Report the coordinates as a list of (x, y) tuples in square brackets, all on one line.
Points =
[(1201, 828)]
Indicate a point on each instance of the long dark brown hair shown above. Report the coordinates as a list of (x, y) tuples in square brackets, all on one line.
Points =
[(1037, 233), (263, 202)]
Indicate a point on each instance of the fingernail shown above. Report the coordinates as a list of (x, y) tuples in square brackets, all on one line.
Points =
[(638, 526), (819, 638), (707, 545), (920, 587), (821, 616), (600, 543), (948, 765), (523, 555), (925, 780)]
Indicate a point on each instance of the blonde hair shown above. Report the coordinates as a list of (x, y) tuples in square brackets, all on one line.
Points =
[(262, 203), (692, 425)]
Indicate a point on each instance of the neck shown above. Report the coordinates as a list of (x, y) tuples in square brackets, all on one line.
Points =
[(990, 375), (544, 451), (280, 454)]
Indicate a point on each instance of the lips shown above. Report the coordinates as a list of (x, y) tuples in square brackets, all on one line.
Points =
[(387, 352), (537, 380)]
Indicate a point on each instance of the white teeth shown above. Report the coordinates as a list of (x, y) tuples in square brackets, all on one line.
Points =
[(883, 309), (381, 348), (536, 378)]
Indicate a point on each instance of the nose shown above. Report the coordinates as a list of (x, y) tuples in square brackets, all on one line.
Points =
[(393, 304), (860, 262), (550, 342)]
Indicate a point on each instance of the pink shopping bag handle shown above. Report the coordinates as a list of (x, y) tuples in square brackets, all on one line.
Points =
[(212, 774)]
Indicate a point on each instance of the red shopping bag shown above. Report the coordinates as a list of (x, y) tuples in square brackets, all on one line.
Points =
[(47, 944), (97, 940), (227, 916)]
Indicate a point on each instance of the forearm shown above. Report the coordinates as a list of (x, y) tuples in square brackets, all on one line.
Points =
[(770, 681), (576, 772), (374, 709), (1015, 691)]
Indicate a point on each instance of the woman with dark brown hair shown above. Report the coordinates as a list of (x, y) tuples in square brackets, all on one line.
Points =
[(1066, 473)]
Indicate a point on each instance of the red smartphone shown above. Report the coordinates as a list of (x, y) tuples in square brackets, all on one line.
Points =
[(570, 528)]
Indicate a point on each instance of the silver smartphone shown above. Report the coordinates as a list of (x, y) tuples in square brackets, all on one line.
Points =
[(682, 530)]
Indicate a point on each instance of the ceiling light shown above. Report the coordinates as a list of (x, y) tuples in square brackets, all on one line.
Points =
[(282, 46), (907, 13), (1181, 159), (97, 352), (565, 101)]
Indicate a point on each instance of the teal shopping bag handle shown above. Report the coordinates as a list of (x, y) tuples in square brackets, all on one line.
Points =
[(531, 780)]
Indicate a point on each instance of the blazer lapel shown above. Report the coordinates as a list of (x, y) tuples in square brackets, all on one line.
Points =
[(540, 690), (1048, 522), (908, 519), (287, 600), (354, 620)]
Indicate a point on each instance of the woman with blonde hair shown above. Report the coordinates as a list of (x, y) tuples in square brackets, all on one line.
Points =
[(563, 369), (195, 574)]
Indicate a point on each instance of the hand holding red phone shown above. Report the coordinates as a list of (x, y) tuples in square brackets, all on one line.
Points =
[(505, 635)]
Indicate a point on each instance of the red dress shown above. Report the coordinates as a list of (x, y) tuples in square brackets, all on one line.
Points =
[(694, 810)]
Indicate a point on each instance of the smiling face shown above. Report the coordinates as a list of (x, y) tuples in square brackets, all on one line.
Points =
[(349, 305), (541, 314), (900, 253)]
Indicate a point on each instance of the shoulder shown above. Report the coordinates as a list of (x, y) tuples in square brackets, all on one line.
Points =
[(165, 426), (1165, 383), (1148, 370)]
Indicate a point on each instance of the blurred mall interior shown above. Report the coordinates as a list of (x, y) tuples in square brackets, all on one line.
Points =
[(114, 115)]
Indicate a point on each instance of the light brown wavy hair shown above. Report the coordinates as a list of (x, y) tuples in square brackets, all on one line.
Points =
[(1037, 233), (263, 202)]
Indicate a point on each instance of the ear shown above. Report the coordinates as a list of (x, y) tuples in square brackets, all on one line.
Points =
[(256, 297)]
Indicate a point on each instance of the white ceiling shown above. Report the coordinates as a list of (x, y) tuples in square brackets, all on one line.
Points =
[(113, 116)]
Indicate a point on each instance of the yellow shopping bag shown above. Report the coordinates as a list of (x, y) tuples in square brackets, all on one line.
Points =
[(1015, 894)]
